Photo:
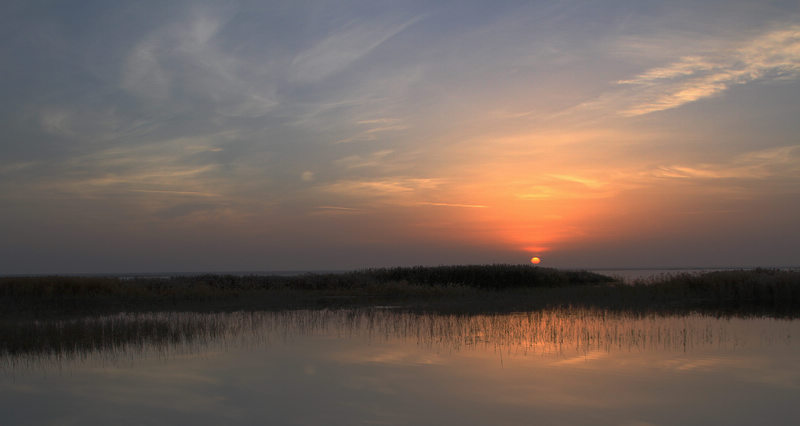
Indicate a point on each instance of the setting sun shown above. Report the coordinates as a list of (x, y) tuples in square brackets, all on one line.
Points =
[(535, 260), (353, 139)]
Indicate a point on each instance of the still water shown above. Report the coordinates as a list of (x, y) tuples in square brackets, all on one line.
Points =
[(385, 367)]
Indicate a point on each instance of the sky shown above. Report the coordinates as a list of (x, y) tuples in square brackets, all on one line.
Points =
[(149, 136)]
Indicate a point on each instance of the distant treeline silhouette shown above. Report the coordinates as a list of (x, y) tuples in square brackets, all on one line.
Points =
[(488, 276), (468, 288)]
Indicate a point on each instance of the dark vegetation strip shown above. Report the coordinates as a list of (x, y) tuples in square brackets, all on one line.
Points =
[(63, 315), (102, 333), (478, 288)]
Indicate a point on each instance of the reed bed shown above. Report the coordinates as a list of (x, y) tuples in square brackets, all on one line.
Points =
[(556, 332), (465, 289)]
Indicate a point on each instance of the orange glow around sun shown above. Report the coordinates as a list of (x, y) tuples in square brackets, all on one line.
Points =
[(520, 203)]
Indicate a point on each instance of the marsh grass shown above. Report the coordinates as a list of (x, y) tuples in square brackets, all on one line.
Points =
[(493, 277), (103, 332), (550, 332), (465, 289), (58, 295)]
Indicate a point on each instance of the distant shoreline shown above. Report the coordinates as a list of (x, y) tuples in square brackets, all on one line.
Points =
[(295, 272)]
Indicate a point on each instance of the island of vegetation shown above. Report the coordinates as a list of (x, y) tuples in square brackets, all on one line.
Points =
[(448, 289)]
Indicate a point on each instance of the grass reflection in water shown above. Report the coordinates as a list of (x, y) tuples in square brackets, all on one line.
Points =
[(559, 332)]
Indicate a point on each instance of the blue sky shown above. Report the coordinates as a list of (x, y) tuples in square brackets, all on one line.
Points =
[(200, 136)]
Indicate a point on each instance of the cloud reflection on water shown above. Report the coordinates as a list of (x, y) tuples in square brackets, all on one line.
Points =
[(379, 366)]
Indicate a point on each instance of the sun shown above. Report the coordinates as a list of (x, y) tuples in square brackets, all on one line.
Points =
[(535, 260)]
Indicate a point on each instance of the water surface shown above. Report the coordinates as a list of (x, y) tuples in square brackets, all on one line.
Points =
[(386, 367)]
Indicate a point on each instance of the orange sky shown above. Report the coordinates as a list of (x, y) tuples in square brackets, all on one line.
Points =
[(245, 137)]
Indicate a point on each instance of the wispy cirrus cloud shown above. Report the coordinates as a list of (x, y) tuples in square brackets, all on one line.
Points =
[(763, 164), (336, 211), (375, 159), (772, 55), (382, 187), (184, 59), (460, 205), (341, 48)]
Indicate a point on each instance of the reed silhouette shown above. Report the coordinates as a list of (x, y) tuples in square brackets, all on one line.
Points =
[(470, 288), (543, 331)]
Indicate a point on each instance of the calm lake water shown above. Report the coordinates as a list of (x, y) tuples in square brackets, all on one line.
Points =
[(385, 367)]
